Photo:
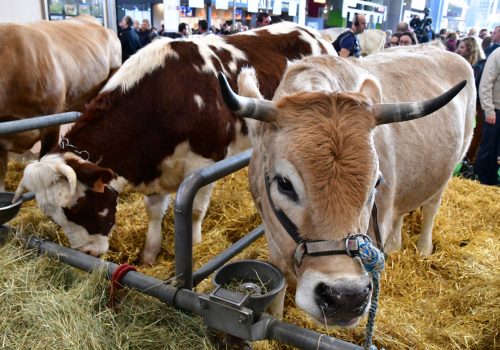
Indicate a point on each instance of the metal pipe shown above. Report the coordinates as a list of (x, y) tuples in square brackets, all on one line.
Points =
[(305, 339), (183, 211), (15, 126), (227, 254), (185, 299), (266, 328)]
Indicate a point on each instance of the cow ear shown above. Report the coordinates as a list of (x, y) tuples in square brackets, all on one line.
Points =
[(371, 89), (91, 174)]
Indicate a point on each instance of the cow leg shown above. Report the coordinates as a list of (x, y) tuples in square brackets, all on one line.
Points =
[(396, 233), (200, 206), (3, 168), (156, 206), (429, 211), (387, 224), (49, 140)]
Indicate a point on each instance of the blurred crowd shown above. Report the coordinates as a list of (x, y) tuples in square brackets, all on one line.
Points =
[(135, 35), (474, 46)]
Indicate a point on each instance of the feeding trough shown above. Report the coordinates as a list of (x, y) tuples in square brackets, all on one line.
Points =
[(9, 210), (256, 283)]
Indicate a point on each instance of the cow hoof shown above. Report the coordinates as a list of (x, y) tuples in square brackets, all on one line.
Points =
[(424, 250), (148, 261)]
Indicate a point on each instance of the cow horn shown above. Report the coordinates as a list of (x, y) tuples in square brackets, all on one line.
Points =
[(246, 107), (386, 113), (70, 174), (19, 191)]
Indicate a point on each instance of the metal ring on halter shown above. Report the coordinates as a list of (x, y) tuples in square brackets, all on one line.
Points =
[(354, 237)]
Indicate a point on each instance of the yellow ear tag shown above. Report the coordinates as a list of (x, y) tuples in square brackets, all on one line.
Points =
[(99, 186)]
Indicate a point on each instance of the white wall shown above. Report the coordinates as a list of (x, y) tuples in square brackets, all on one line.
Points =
[(21, 11)]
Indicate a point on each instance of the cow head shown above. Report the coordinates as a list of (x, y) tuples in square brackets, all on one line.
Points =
[(314, 176), (76, 195)]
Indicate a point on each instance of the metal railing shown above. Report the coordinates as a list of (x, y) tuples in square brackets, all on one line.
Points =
[(181, 296)]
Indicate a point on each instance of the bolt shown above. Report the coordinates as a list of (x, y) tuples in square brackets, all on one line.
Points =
[(203, 305), (241, 319)]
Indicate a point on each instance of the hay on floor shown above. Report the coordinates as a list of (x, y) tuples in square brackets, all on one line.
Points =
[(450, 300)]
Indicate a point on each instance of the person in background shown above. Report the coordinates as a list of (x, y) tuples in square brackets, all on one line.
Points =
[(347, 43), (495, 41), (402, 27), (388, 36), (136, 26), (183, 30), (474, 34), (203, 27), (483, 33), (469, 49), (486, 43), (394, 41), (451, 41), (161, 32), (407, 39), (488, 156), (128, 38), (442, 35), (146, 34), (263, 19)]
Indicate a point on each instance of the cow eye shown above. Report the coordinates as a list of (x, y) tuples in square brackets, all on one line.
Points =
[(285, 187), (379, 181)]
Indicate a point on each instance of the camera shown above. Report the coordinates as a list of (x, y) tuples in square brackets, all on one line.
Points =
[(422, 27)]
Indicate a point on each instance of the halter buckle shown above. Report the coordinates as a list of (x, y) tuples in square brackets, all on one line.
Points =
[(353, 241)]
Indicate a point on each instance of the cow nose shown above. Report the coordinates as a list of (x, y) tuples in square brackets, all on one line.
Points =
[(343, 300)]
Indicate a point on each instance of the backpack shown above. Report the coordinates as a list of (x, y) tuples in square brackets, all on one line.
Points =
[(338, 42)]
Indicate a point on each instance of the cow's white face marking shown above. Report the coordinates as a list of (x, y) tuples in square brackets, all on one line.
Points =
[(104, 213)]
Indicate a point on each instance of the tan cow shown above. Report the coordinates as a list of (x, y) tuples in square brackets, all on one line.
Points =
[(325, 142), (47, 68)]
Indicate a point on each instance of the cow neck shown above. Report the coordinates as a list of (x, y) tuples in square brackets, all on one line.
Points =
[(349, 245), (65, 145)]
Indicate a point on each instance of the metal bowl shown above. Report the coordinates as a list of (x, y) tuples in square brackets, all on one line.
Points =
[(9, 210), (261, 280)]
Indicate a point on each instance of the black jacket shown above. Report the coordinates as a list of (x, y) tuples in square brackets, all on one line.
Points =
[(130, 43)]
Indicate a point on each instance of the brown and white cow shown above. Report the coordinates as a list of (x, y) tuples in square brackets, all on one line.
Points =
[(48, 68), (159, 118), (324, 143)]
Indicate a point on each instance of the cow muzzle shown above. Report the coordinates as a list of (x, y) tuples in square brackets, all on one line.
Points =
[(343, 302)]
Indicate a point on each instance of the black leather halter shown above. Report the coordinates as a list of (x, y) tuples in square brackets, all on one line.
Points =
[(349, 245)]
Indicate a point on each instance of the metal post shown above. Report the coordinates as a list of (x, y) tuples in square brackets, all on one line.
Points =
[(14, 126), (183, 210), (226, 255)]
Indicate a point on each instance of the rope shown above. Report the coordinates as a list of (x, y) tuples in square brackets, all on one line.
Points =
[(115, 285), (373, 261)]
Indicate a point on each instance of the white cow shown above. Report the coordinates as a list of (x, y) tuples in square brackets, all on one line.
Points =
[(325, 142)]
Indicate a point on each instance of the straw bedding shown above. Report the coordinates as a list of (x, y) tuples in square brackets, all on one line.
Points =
[(450, 300)]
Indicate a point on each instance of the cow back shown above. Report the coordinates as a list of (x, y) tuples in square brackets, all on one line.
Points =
[(418, 157), (53, 66), (168, 93)]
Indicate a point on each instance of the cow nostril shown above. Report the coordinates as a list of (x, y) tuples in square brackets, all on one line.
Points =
[(344, 301), (327, 297)]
